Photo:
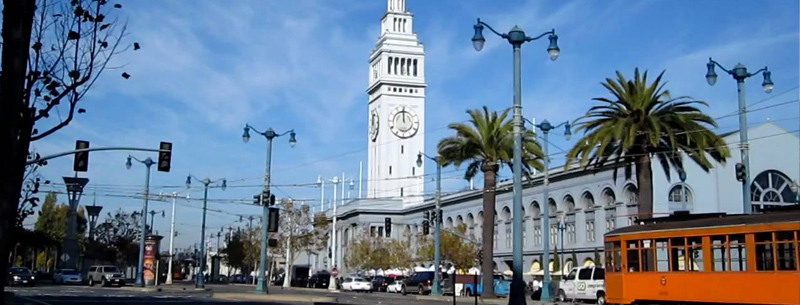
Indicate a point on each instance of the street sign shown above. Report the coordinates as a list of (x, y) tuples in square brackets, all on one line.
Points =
[(64, 257), (335, 272)]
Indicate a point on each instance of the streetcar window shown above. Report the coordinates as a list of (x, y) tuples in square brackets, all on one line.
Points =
[(719, 253), (614, 256), (633, 256), (738, 252), (648, 255), (695, 250), (678, 254), (662, 255), (785, 248), (764, 252)]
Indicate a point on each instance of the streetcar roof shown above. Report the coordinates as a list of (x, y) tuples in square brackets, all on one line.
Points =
[(717, 220)]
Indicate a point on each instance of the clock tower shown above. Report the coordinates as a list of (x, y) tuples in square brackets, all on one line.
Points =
[(396, 109)]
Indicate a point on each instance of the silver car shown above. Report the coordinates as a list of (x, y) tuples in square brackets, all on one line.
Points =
[(67, 276), (107, 275)]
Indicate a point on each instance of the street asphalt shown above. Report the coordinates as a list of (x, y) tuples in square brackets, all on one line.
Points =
[(184, 293)]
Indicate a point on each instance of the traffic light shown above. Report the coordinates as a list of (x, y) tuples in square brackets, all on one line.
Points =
[(81, 158), (740, 174), (387, 223), (165, 157), (425, 229), (256, 201), (271, 199), (274, 215)]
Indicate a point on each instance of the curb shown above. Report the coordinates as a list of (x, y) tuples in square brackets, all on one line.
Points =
[(291, 298), (162, 289)]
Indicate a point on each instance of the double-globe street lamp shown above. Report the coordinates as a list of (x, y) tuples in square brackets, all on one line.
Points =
[(270, 134), (436, 289), (147, 163), (516, 36), (206, 184), (546, 127), (334, 272), (740, 73)]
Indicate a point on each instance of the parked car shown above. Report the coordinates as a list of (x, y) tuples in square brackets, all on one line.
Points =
[(419, 282), (107, 275), (395, 286), (356, 284), (501, 286), (20, 276), (67, 276), (319, 280), (584, 284), (380, 283)]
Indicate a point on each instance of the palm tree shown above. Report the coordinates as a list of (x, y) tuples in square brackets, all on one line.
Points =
[(641, 121), (486, 143)]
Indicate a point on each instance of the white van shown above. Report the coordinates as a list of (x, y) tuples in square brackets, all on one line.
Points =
[(585, 284)]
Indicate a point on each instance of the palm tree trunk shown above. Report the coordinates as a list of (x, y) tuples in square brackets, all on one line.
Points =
[(487, 266), (644, 181)]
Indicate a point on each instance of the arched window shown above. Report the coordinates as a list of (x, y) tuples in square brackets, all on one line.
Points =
[(415, 67), (459, 220), (506, 215), (680, 193), (681, 198), (631, 193), (608, 197), (389, 65), (587, 200), (448, 223), (771, 188), (553, 207), (569, 204), (535, 209)]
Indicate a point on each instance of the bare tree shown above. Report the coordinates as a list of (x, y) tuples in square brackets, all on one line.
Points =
[(53, 53)]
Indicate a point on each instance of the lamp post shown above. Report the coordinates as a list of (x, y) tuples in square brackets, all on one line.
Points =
[(321, 184), (562, 226), (172, 238), (436, 289), (740, 73), (332, 281), (546, 127), (270, 134), (516, 37), (152, 217), (140, 267), (206, 184), (75, 187)]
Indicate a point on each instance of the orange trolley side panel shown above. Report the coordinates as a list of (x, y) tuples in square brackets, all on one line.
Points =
[(716, 287)]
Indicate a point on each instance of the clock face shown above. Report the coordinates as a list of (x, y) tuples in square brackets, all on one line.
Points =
[(403, 122), (374, 123)]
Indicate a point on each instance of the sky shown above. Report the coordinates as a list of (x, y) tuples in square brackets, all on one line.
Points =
[(206, 68)]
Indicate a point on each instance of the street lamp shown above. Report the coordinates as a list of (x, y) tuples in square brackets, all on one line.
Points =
[(206, 183), (332, 281), (516, 36), (740, 73), (152, 217), (263, 285), (172, 234), (437, 289), (147, 163), (546, 127)]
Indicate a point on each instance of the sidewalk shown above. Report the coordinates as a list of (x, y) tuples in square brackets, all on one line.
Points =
[(290, 298), (471, 300)]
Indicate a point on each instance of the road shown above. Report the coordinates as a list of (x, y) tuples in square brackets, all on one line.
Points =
[(175, 294)]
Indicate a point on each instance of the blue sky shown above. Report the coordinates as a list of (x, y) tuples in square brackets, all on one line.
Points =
[(207, 68)]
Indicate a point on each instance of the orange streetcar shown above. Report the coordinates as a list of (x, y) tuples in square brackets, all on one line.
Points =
[(706, 258)]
